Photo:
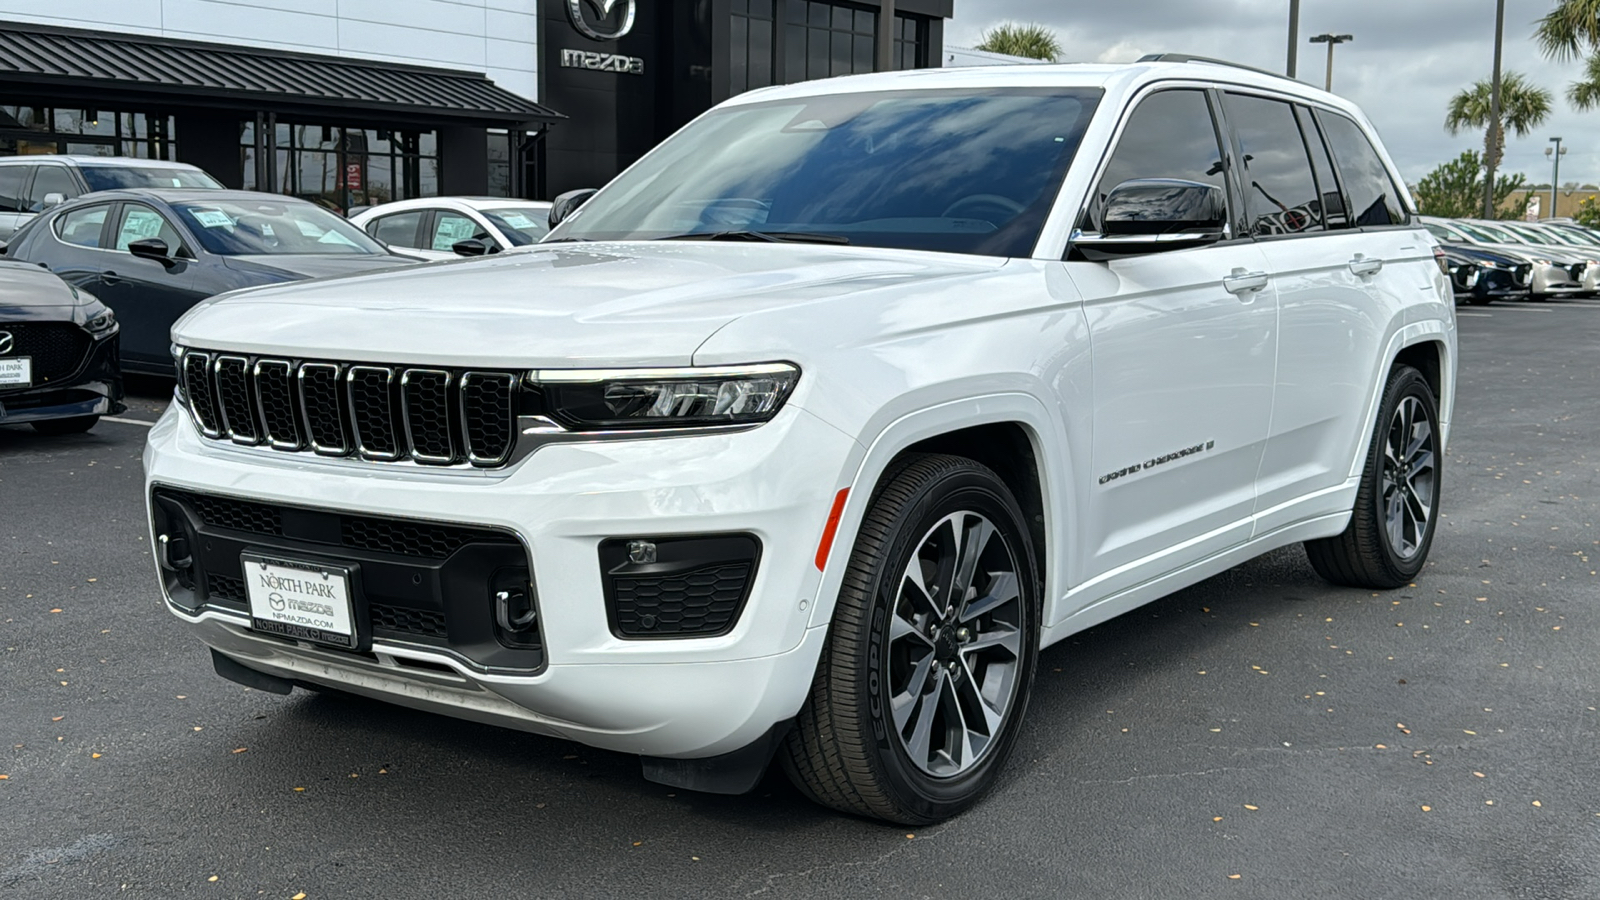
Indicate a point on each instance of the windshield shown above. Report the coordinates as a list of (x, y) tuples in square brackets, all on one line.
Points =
[(522, 225), (274, 227), (1531, 235), (110, 178), (969, 171), (1486, 233), (1576, 236)]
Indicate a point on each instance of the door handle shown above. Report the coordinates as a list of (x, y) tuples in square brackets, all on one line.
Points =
[(110, 278), (1242, 282), (1364, 266)]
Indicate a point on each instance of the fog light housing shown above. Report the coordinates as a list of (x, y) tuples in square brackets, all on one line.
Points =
[(693, 586)]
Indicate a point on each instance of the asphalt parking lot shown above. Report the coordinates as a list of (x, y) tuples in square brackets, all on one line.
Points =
[(1259, 735)]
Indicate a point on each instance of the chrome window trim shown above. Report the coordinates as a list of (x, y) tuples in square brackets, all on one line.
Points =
[(311, 433), (511, 418), (222, 407), (261, 408), (405, 417), (355, 421)]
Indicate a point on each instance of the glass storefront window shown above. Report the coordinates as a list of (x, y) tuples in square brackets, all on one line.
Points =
[(339, 168), (87, 132), (824, 39), (499, 163)]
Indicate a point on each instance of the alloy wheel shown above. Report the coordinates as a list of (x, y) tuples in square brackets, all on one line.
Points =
[(955, 645), (1409, 478)]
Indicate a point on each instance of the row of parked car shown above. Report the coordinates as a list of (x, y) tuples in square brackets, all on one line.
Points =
[(1511, 260), (138, 242)]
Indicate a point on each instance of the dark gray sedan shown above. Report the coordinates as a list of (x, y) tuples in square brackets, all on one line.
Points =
[(150, 254)]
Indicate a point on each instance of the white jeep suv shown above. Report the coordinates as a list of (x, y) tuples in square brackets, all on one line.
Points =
[(803, 436)]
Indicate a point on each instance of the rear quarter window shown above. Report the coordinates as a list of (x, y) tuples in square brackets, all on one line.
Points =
[(12, 180), (1374, 198)]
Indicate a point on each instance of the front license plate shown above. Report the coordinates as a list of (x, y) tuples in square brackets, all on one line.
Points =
[(300, 600), (17, 370)]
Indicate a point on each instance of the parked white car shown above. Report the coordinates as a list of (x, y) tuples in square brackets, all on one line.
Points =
[(802, 436), (436, 227)]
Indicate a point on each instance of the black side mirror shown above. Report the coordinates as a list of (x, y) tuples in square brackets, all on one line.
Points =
[(473, 247), (1147, 215), (568, 203), (151, 248)]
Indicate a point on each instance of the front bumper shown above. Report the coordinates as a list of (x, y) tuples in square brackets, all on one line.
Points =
[(95, 389), (1550, 281), (677, 698)]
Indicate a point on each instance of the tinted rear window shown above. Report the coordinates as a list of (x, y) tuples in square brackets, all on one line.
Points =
[(1374, 200), (110, 178)]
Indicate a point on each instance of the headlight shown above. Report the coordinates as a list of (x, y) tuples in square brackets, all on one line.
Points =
[(1543, 262), (666, 398), (102, 323)]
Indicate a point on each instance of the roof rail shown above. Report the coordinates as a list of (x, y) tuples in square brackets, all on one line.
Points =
[(1190, 58)]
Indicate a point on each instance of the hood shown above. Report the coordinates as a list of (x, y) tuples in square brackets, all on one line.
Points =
[(27, 286), (1476, 253), (1528, 253), (294, 267), (601, 304)]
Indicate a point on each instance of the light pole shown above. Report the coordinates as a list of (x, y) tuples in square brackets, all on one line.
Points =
[(1555, 153), (1489, 151), (1332, 40), (1294, 36)]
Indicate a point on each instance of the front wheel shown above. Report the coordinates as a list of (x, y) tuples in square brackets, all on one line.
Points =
[(1397, 509), (930, 656)]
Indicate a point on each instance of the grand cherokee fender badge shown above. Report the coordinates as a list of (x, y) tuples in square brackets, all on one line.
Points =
[(1157, 461)]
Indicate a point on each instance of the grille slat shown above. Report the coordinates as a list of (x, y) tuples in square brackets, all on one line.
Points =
[(378, 413), (234, 396), (426, 397), (275, 397), (487, 415), (197, 385), (372, 412)]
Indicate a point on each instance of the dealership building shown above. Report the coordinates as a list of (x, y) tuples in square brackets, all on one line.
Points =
[(358, 102)]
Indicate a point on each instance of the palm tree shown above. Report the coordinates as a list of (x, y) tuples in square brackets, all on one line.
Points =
[(1569, 29), (1030, 41), (1523, 107), (1584, 94)]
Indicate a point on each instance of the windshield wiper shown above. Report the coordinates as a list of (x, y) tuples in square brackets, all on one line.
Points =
[(774, 237)]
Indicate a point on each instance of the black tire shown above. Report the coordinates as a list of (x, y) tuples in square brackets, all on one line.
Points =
[(845, 751), (58, 427), (1366, 555)]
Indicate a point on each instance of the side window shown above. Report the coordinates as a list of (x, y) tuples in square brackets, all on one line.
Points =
[(1374, 200), (1334, 214), (1439, 232), (1169, 135), (51, 180), (140, 222), (11, 180), (83, 226), (450, 227), (1280, 192), (398, 230)]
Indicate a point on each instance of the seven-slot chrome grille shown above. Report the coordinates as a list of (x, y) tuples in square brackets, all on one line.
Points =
[(378, 413)]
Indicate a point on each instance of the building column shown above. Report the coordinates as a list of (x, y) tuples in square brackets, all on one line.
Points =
[(463, 160), (886, 35), (210, 140)]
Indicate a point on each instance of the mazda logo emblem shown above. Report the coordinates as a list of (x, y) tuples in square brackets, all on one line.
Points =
[(6, 342), (603, 9)]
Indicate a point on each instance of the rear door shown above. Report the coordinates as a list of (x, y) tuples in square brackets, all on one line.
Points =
[(1183, 345), (1336, 315)]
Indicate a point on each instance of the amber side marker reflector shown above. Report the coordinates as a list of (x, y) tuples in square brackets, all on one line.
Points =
[(832, 527)]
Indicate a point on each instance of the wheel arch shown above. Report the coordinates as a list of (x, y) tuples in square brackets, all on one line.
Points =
[(1429, 347), (1011, 433)]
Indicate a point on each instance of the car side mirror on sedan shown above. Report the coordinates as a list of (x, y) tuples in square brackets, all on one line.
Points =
[(567, 204), (1150, 215), (152, 249), (473, 247)]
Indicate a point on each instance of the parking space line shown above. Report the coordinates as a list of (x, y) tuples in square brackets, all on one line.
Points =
[(1467, 315), (122, 421)]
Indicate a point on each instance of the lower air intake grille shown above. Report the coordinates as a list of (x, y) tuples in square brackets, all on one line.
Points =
[(408, 621), (681, 587)]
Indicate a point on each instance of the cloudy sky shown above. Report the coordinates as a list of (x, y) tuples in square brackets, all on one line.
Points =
[(1408, 58)]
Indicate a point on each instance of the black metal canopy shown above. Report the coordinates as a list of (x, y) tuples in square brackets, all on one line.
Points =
[(192, 73)]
